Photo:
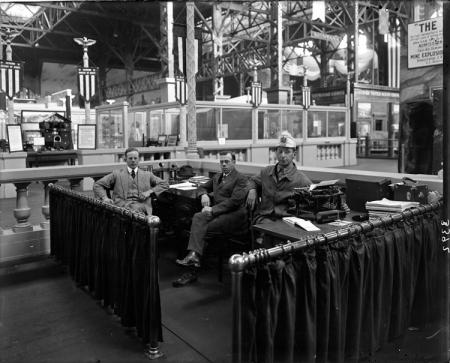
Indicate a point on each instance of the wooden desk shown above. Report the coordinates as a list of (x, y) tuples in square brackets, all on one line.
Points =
[(49, 158), (179, 207), (283, 230)]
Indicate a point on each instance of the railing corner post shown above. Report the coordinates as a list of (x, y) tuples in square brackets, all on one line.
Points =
[(152, 350), (237, 264)]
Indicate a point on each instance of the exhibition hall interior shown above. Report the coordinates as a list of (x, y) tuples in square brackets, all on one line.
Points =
[(224, 181)]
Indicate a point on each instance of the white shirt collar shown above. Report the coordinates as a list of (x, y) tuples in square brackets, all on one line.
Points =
[(129, 170)]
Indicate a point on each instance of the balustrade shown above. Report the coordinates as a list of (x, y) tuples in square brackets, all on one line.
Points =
[(329, 152)]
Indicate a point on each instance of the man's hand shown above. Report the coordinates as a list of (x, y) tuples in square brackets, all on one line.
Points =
[(206, 202), (145, 195), (207, 210), (251, 198), (107, 200)]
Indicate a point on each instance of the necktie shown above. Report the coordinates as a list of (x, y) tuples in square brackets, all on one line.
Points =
[(133, 174)]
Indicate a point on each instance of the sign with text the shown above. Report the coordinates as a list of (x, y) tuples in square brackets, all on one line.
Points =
[(425, 43)]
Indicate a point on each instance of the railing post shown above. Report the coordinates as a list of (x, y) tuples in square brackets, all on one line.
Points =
[(46, 207), (237, 265), (152, 350), (22, 211)]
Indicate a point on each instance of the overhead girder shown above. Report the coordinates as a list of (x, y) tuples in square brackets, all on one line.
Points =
[(245, 28), (42, 23), (250, 25)]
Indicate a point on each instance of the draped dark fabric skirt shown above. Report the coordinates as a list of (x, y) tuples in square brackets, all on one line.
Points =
[(109, 254), (342, 301)]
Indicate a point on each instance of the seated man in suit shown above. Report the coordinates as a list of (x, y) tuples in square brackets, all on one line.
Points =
[(276, 183), (225, 213), (132, 187)]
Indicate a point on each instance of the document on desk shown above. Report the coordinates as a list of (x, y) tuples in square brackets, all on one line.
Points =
[(303, 223), (184, 186)]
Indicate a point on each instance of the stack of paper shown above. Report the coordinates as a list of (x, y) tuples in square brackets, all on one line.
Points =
[(323, 184), (383, 207), (199, 179), (306, 225), (183, 186)]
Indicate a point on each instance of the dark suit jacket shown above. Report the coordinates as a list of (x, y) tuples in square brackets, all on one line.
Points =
[(228, 194)]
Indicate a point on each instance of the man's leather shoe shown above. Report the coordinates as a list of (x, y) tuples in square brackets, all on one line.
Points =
[(185, 279), (192, 259)]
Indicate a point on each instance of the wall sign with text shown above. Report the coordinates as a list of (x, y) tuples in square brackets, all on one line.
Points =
[(425, 43), (87, 136)]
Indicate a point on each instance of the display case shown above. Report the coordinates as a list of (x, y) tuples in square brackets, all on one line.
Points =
[(110, 127)]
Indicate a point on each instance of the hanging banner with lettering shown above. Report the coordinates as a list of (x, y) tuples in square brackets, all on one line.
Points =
[(425, 43), (10, 78), (87, 82)]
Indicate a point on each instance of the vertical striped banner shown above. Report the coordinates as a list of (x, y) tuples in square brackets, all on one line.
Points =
[(10, 78), (180, 90), (256, 93), (180, 47), (393, 40), (87, 80), (306, 97)]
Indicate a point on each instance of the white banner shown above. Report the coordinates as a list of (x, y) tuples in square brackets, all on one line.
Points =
[(425, 43)]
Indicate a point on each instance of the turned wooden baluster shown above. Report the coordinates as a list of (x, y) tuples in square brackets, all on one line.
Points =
[(22, 211), (46, 207)]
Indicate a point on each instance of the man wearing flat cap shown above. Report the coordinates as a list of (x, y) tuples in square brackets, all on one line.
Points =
[(275, 183)]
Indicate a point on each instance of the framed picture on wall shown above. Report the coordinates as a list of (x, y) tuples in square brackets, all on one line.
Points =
[(87, 136), (14, 138)]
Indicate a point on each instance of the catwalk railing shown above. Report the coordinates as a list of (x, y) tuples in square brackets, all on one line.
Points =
[(338, 297), (112, 252)]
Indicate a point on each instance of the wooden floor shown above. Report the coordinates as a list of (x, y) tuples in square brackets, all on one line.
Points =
[(45, 317)]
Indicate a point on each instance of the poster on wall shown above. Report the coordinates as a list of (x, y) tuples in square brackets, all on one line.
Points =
[(425, 43), (14, 138), (86, 137)]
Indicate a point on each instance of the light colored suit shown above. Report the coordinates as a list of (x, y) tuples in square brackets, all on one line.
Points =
[(126, 191)]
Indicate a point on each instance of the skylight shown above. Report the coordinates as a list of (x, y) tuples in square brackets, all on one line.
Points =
[(19, 12)]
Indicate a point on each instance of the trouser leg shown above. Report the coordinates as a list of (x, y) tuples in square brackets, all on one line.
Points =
[(199, 227)]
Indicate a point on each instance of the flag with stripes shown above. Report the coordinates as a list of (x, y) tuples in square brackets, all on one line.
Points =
[(306, 97), (10, 78), (87, 82), (256, 93), (393, 41), (180, 90)]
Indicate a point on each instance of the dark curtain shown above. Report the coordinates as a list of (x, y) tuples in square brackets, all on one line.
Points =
[(109, 254), (340, 302)]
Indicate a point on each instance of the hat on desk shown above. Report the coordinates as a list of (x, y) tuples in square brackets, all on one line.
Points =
[(286, 140)]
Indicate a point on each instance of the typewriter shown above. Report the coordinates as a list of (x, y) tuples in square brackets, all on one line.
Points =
[(322, 202)]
